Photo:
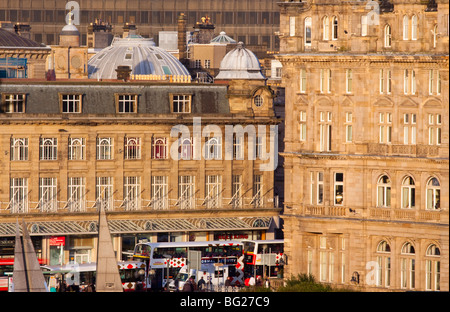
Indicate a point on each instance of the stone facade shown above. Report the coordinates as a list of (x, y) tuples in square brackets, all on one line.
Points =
[(101, 154), (366, 142)]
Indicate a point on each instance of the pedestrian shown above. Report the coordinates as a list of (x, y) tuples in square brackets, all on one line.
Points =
[(267, 283), (252, 281), (201, 284)]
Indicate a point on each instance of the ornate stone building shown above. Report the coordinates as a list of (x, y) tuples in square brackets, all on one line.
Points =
[(154, 152), (366, 142)]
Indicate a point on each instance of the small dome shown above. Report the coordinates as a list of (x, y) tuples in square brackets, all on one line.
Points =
[(223, 38), (141, 54), (240, 63), (70, 29)]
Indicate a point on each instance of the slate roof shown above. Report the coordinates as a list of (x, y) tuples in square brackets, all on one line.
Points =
[(11, 39)]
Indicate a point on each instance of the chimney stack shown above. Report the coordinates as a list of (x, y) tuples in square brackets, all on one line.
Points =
[(182, 46)]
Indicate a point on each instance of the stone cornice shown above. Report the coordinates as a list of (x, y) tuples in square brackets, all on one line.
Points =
[(365, 156)]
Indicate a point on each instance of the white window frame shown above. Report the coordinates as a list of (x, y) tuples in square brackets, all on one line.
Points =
[(334, 28), (433, 269), (257, 200), (384, 192), (348, 127), (77, 148), (132, 193), (303, 80), (303, 125), (405, 27), (213, 191), (18, 195), (127, 103), (325, 132), (291, 26), (105, 148), (349, 81), (236, 199), (387, 36), (186, 189), (19, 149), (414, 27), (159, 148), (48, 148), (433, 194), (364, 26), (385, 127), (160, 195), (181, 103), (308, 25), (326, 28), (408, 193), (132, 148), (48, 194), (104, 189), (71, 103), (76, 192)]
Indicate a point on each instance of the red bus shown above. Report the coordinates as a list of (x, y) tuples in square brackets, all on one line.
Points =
[(7, 266)]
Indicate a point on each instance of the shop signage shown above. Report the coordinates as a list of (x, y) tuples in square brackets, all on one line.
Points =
[(57, 241), (231, 236)]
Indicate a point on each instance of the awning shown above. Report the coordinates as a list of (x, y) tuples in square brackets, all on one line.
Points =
[(141, 226)]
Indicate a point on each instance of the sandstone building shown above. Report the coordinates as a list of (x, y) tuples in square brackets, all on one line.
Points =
[(367, 142), (72, 145)]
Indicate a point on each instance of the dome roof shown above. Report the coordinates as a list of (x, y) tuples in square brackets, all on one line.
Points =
[(240, 63), (70, 29), (223, 38), (141, 54)]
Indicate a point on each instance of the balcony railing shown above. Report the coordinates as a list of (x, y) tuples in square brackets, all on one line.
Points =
[(168, 204), (372, 213)]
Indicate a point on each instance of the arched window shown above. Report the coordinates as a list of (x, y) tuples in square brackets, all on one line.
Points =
[(326, 28), (334, 30), (384, 191), (408, 266), (414, 27), (433, 194), (405, 27), (408, 193), (383, 272), (186, 149), (159, 148), (308, 31), (433, 268), (387, 36)]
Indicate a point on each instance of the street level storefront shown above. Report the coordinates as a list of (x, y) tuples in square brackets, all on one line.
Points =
[(60, 242)]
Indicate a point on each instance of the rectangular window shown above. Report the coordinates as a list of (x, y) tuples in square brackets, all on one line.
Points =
[(349, 81), (381, 81), (186, 199), (238, 147), (132, 193), (19, 149), (127, 103), (47, 195), (325, 132), (76, 192), (181, 103), (308, 31), (291, 26), (385, 128), (434, 129), (70, 103), (132, 148), (302, 126), (105, 148), (77, 148), (338, 189), (320, 188), (13, 103), (257, 199), (413, 82), (160, 198), (409, 129), (236, 200), (364, 26), (159, 148), (207, 63), (348, 127), (48, 148), (388, 81), (18, 195), (302, 80), (104, 193), (213, 191)]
